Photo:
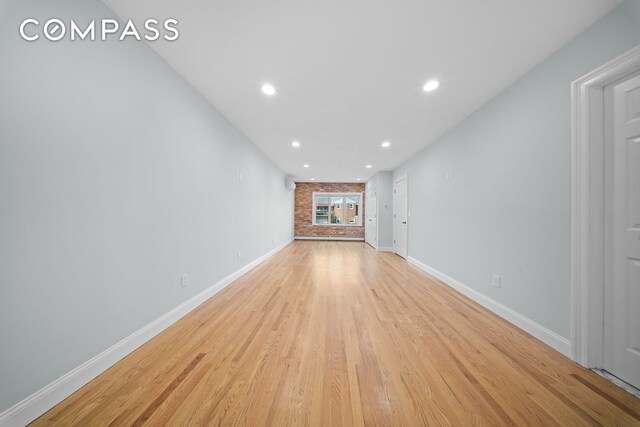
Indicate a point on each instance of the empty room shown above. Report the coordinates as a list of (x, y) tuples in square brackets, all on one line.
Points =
[(332, 213)]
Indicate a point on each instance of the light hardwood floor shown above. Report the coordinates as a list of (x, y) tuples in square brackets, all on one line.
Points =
[(334, 333)]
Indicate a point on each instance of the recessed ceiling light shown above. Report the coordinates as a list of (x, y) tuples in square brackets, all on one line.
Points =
[(312, 179), (385, 144), (267, 89), (295, 144), (357, 179), (305, 165), (431, 85), (369, 166)]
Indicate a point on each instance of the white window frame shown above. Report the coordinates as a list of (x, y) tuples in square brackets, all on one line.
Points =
[(343, 205)]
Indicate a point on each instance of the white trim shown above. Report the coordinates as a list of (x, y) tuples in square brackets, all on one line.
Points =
[(46, 398), (587, 207), (355, 239), (385, 249), (545, 335)]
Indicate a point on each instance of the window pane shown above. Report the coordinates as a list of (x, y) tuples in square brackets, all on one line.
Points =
[(322, 219), (322, 210), (337, 210), (352, 211)]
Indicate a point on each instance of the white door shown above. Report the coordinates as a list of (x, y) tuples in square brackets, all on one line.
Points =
[(371, 225), (400, 217), (622, 231)]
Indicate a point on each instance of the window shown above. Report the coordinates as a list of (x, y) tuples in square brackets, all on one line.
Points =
[(337, 209), (321, 209)]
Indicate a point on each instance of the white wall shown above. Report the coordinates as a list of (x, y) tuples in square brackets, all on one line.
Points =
[(116, 177), (507, 209)]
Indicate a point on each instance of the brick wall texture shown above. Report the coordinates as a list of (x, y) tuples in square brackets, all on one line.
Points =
[(303, 224)]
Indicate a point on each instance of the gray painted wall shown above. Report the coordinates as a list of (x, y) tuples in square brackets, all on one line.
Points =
[(116, 177), (507, 209)]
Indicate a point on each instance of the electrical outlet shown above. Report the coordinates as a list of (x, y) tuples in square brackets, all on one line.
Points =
[(239, 255), (184, 281), (497, 281)]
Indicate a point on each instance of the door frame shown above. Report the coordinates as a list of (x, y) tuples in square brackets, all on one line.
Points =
[(587, 207), (366, 219), (406, 205)]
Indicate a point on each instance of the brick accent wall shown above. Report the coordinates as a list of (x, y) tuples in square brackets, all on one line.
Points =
[(303, 223)]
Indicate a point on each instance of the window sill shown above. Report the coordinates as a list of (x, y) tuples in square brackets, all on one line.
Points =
[(337, 225)]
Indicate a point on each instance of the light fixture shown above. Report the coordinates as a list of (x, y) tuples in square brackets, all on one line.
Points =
[(267, 89), (305, 165), (295, 144), (357, 179), (369, 166), (312, 179), (385, 144), (431, 85)]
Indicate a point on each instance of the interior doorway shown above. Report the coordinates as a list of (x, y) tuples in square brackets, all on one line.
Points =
[(605, 218), (371, 220), (400, 216)]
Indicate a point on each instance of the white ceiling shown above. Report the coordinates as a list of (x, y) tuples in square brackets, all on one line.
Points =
[(349, 73)]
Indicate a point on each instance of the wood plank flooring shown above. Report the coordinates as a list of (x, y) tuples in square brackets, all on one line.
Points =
[(337, 334)]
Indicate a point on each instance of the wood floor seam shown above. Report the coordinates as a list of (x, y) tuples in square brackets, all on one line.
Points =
[(338, 334)]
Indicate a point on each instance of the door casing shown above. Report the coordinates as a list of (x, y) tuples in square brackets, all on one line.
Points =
[(587, 207)]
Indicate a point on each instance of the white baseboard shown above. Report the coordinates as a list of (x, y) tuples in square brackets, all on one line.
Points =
[(545, 335), (350, 239), (46, 398), (385, 249)]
